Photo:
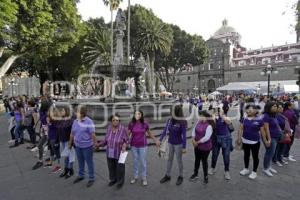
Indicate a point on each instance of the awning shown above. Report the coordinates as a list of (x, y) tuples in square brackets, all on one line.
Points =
[(238, 86), (291, 88)]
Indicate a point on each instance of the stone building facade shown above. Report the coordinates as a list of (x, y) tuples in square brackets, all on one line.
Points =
[(228, 62)]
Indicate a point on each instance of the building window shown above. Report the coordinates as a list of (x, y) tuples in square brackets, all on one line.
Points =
[(189, 78), (239, 75), (210, 66)]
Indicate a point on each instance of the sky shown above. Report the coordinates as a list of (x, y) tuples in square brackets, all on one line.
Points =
[(261, 23)]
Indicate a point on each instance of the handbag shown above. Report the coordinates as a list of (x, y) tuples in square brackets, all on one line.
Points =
[(163, 151), (285, 138)]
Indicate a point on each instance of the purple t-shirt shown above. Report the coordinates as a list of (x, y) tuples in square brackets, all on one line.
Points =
[(82, 132), (251, 130), (273, 125), (221, 127), (138, 137)]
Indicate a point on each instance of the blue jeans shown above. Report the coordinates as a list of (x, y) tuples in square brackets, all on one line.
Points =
[(139, 155), (270, 152), (85, 155), (224, 143), (19, 136), (68, 165), (278, 152)]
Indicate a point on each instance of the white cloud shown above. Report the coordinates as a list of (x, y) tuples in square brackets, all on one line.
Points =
[(260, 22)]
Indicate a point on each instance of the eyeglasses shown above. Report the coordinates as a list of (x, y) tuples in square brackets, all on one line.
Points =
[(115, 120)]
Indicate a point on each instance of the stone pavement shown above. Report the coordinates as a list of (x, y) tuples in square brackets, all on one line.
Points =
[(18, 181)]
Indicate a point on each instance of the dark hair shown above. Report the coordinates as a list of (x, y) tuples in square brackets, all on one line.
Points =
[(82, 109), (114, 115), (268, 108), (257, 107), (287, 105), (142, 116), (178, 113), (45, 105), (31, 103), (204, 114)]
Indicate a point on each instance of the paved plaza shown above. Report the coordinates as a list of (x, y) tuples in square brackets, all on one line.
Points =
[(18, 181)]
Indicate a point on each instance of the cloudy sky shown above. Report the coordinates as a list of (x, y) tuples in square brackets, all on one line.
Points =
[(260, 22)]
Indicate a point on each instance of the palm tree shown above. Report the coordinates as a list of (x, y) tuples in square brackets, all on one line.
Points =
[(113, 5), (97, 46), (155, 37)]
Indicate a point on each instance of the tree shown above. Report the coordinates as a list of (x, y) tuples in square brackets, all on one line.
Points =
[(297, 27), (97, 43), (113, 5), (8, 18)]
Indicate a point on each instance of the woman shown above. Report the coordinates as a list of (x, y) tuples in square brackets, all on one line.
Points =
[(290, 114), (249, 136), (272, 136), (176, 130), (222, 141), (43, 114), (29, 122), (284, 126), (202, 142), (19, 114), (116, 140), (138, 130), (64, 127), (84, 138)]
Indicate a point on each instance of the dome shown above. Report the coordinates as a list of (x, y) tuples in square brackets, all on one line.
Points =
[(227, 33)]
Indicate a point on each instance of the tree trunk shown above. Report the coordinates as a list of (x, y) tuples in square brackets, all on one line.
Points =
[(5, 67), (1, 51), (111, 37)]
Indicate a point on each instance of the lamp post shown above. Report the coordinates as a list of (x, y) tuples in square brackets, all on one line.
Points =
[(267, 71)]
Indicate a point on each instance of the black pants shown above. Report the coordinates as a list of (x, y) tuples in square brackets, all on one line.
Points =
[(116, 171), (41, 144), (254, 148), (201, 156), (54, 149), (31, 133)]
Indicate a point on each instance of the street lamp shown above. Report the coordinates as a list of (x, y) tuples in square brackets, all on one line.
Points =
[(267, 71)]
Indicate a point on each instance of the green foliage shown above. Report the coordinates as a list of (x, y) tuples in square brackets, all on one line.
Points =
[(113, 4), (8, 11), (97, 43)]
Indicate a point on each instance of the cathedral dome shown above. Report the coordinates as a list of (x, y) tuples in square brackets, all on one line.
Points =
[(227, 33)]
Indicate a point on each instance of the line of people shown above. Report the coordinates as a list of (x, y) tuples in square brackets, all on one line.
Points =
[(211, 133)]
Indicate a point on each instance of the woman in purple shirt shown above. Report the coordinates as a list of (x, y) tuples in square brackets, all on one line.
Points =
[(249, 136), (223, 140), (19, 114), (176, 130), (83, 137), (202, 142), (273, 133), (116, 140), (138, 130)]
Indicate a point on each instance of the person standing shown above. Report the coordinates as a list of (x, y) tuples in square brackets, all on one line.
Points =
[(202, 142), (84, 138), (249, 136), (64, 127), (29, 122), (272, 136), (290, 114), (225, 106), (223, 140), (116, 140), (138, 130), (176, 130), (19, 115)]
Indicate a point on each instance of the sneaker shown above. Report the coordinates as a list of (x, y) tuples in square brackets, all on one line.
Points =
[(56, 169), (253, 175), (111, 183), (194, 177), (35, 149), (37, 165), (78, 179), (227, 175), (273, 170), (285, 162), (133, 181), (285, 158), (211, 171), (278, 164), (165, 179), (65, 172), (290, 158), (90, 183), (205, 180), (179, 180), (244, 172), (267, 172), (144, 182)]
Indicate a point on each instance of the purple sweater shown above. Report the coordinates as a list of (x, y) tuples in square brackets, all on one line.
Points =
[(176, 132)]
